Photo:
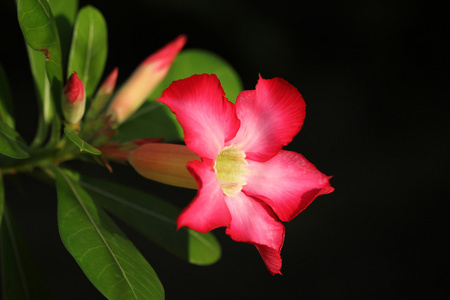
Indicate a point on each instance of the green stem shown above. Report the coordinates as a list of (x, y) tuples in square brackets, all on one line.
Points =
[(64, 151)]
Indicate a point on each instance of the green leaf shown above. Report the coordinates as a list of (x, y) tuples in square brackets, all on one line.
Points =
[(64, 15), (20, 276), (64, 12), (6, 108), (2, 197), (47, 110), (155, 219), (77, 140), (151, 121), (37, 24), (154, 119), (89, 48), (66, 9), (197, 61), (104, 253), (10, 143), (40, 32)]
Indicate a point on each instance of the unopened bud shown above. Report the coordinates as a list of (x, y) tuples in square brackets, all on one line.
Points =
[(74, 99), (144, 80), (103, 94), (165, 163)]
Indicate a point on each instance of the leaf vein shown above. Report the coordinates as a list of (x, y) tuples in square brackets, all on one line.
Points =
[(77, 196), (128, 203)]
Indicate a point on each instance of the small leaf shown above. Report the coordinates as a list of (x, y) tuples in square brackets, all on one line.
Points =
[(104, 253), (6, 108), (155, 219), (89, 48), (20, 276), (10, 143), (155, 120), (77, 140)]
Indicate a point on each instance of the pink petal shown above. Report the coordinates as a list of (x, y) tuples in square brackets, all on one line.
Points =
[(252, 221), (208, 209), (207, 117), (74, 89), (288, 183), (270, 117)]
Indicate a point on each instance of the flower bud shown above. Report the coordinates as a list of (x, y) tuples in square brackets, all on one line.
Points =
[(74, 99), (103, 94), (144, 80), (165, 163)]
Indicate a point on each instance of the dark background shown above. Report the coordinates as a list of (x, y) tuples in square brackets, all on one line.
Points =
[(372, 75)]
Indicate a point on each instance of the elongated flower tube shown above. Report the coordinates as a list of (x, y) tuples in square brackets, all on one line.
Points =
[(74, 99), (103, 94), (165, 163), (144, 80), (246, 182)]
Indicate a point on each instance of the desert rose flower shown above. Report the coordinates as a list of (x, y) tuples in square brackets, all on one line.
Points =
[(144, 80), (74, 99), (246, 182)]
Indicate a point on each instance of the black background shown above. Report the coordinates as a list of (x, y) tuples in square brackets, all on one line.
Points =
[(372, 75)]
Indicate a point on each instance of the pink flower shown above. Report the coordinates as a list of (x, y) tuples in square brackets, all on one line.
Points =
[(246, 182)]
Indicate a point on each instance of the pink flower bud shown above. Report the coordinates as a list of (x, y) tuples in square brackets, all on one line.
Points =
[(110, 82), (103, 94), (165, 163), (144, 80), (74, 99)]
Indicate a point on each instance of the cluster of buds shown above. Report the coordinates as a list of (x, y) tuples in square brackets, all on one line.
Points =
[(130, 97), (100, 120)]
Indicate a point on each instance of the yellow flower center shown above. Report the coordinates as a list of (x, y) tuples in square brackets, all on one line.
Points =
[(231, 168)]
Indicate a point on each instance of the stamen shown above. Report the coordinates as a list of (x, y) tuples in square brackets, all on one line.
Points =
[(231, 168)]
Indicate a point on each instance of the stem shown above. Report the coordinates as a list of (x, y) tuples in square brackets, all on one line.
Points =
[(62, 152)]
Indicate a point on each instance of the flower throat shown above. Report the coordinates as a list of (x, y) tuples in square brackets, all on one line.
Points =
[(231, 168)]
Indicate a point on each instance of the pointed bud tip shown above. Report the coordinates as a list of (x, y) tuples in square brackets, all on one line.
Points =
[(110, 82), (165, 56), (74, 89), (144, 80), (74, 99)]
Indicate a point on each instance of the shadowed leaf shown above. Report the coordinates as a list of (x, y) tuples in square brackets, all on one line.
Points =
[(20, 277), (6, 107), (155, 219), (104, 253), (64, 13), (2, 197), (10, 143)]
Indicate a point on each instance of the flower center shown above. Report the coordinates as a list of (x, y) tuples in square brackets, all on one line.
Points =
[(231, 168)]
